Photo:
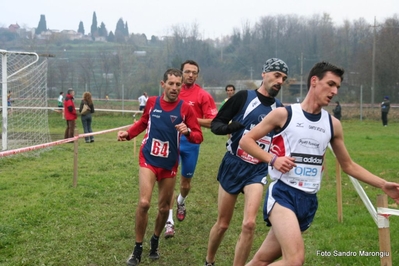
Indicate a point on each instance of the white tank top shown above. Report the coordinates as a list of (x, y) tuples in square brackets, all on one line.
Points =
[(306, 141)]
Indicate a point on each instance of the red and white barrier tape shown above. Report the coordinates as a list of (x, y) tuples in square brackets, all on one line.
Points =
[(46, 145)]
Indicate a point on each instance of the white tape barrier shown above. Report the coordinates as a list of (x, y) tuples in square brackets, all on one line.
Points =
[(379, 217), (383, 216), (46, 145), (386, 211), (366, 201)]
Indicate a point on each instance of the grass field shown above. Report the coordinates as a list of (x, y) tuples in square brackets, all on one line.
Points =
[(44, 220)]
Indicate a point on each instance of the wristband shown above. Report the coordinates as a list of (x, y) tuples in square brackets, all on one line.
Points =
[(273, 160)]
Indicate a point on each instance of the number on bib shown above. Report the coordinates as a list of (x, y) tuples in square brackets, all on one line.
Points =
[(160, 148)]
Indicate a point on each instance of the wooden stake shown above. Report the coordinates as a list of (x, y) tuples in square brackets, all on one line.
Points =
[(134, 140), (384, 235), (339, 191), (75, 159)]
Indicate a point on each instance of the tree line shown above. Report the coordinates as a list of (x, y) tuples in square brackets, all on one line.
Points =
[(134, 63), (121, 30)]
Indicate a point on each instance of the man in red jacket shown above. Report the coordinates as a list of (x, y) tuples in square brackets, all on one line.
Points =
[(205, 110), (70, 114)]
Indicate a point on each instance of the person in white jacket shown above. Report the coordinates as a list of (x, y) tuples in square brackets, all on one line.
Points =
[(143, 101)]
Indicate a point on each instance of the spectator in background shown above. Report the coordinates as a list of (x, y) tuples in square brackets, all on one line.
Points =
[(61, 104), (61, 100), (230, 90), (143, 101), (337, 111), (9, 101), (9, 98), (385, 105), (87, 118), (70, 114)]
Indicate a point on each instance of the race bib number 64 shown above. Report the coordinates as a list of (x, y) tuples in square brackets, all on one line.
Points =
[(160, 148)]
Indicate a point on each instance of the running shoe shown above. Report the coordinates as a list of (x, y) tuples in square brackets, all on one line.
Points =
[(181, 211), (133, 260), (154, 254), (169, 230)]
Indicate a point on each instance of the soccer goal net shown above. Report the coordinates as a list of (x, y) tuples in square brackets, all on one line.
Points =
[(24, 110)]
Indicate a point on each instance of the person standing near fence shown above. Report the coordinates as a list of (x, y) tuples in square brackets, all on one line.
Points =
[(166, 118), (205, 110), (87, 118), (60, 104), (296, 165), (238, 172), (61, 100), (70, 114), (143, 101), (385, 106), (9, 101), (337, 110)]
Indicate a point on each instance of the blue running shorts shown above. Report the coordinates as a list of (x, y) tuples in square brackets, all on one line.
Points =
[(303, 204), (234, 174), (189, 153)]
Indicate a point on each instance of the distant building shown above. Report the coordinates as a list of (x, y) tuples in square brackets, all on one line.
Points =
[(72, 35), (14, 28), (100, 39), (66, 34), (290, 95), (295, 87), (140, 53), (45, 35)]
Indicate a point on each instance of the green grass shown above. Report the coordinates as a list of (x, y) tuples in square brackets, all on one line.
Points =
[(44, 220)]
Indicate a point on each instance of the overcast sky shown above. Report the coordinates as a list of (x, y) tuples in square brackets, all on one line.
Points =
[(214, 18)]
